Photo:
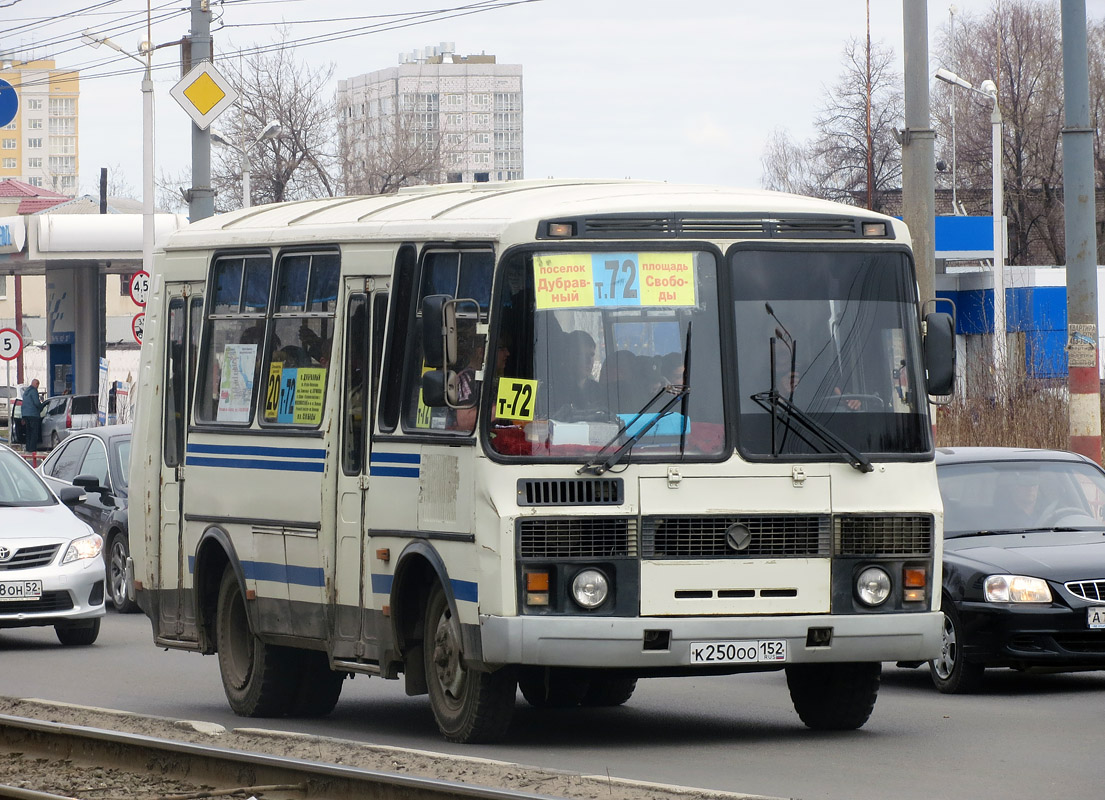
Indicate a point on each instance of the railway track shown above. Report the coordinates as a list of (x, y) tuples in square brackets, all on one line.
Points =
[(214, 771)]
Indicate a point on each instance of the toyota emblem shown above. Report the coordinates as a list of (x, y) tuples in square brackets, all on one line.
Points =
[(5, 553)]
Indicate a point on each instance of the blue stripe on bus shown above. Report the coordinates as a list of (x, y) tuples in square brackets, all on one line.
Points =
[(394, 472), (249, 463), (250, 450), (469, 591), (276, 573), (394, 458)]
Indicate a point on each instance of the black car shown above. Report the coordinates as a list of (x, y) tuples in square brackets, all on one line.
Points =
[(1024, 563), (98, 460)]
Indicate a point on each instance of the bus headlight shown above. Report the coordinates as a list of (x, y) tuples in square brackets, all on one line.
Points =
[(590, 588), (873, 586)]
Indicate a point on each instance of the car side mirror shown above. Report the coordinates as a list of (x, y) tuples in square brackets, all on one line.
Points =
[(72, 496), (90, 484)]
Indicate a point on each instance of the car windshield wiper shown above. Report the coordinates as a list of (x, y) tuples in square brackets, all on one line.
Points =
[(597, 466), (787, 412)]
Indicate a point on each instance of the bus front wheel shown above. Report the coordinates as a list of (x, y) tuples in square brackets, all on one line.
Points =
[(259, 679), (469, 705), (834, 697)]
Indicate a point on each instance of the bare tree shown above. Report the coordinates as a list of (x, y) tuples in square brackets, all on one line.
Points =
[(837, 162), (1016, 44), (839, 152), (300, 162), (786, 165)]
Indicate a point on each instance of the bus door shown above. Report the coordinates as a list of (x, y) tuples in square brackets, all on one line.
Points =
[(176, 618), (354, 620)]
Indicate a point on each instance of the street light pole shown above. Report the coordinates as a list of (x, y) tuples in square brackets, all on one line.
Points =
[(271, 131), (147, 139), (990, 91)]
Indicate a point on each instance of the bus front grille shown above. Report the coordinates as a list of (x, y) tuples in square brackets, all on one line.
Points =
[(577, 537), (764, 536), (897, 535)]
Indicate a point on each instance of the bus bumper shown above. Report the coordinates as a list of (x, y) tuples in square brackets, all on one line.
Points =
[(631, 642)]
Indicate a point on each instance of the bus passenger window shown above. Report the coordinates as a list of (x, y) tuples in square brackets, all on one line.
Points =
[(355, 383), (301, 339), (233, 340)]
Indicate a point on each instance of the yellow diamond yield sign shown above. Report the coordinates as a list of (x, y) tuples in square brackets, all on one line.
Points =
[(204, 93)]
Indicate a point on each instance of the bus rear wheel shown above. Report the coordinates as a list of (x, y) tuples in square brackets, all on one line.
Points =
[(469, 705), (834, 697), (259, 679)]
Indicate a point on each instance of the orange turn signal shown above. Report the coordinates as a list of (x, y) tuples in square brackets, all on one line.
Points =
[(537, 581), (914, 577)]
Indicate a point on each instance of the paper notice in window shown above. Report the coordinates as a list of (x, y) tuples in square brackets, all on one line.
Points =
[(236, 382)]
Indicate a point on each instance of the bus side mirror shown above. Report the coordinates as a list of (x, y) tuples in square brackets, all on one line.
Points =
[(439, 330), (939, 353), (439, 388)]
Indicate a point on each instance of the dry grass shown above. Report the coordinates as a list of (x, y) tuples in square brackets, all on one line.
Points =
[(1028, 413)]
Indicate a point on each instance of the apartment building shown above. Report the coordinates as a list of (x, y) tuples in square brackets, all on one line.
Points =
[(39, 146), (436, 117)]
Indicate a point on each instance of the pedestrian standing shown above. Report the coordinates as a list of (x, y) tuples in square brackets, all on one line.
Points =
[(32, 417)]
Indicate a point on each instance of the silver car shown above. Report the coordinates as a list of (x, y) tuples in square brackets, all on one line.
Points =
[(51, 564), (64, 414)]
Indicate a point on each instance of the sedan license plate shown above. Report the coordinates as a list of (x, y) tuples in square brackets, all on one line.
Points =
[(750, 652), (1095, 616), (20, 590)]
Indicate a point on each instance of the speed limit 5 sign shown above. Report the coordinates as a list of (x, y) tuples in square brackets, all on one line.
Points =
[(11, 344)]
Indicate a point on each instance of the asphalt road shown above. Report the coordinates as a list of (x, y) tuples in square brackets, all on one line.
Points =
[(1026, 736)]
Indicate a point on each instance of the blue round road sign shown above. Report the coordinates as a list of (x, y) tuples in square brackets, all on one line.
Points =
[(9, 103)]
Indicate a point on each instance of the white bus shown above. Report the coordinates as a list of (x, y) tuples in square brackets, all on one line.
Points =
[(555, 436)]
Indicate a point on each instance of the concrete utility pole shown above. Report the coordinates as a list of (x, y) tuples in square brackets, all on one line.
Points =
[(201, 198), (1081, 237), (918, 162)]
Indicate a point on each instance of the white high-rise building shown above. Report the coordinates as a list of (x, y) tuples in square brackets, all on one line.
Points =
[(437, 117)]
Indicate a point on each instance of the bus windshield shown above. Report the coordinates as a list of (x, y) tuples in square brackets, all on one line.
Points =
[(593, 352), (832, 334)]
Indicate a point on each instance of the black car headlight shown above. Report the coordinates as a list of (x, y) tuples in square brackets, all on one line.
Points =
[(1016, 589)]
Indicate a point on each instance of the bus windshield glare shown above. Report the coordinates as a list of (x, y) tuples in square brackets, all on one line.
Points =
[(593, 352)]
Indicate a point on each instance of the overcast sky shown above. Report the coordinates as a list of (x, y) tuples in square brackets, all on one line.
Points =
[(678, 91)]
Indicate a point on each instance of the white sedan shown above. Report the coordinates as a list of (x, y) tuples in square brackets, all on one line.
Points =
[(51, 567)]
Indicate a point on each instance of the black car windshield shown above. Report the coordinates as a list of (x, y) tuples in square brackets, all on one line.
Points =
[(1011, 495), (833, 334), (601, 349), (19, 485)]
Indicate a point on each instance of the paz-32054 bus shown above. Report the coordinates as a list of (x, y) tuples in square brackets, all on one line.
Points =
[(555, 436)]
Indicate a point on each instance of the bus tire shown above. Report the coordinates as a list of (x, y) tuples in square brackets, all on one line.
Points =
[(469, 705), (259, 679), (606, 691), (834, 697), (553, 687), (319, 686)]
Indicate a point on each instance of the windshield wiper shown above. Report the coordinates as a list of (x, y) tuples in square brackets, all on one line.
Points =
[(786, 412), (680, 393), (596, 468)]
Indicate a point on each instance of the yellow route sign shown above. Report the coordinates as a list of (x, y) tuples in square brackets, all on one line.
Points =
[(204, 93)]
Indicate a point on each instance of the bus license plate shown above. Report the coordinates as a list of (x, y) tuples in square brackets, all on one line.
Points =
[(1095, 616), (20, 590), (751, 652)]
